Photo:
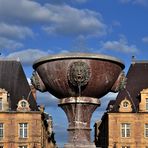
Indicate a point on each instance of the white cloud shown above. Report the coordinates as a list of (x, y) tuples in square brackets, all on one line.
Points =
[(104, 103), (22, 11), (47, 99), (14, 31), (9, 44), (71, 21), (27, 56), (105, 100), (81, 1), (125, 1), (121, 46), (145, 39), (140, 2), (29, 81), (116, 23), (59, 19)]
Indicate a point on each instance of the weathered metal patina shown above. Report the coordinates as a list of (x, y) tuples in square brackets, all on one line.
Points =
[(37, 82), (54, 71), (79, 80)]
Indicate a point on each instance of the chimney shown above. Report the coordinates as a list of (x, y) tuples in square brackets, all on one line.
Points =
[(133, 59)]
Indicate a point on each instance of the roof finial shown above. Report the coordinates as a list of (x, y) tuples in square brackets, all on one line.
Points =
[(133, 59), (18, 59)]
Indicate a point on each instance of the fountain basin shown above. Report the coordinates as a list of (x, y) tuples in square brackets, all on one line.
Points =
[(60, 74), (78, 80)]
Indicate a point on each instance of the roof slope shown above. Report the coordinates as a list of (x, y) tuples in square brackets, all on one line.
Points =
[(137, 80), (13, 80)]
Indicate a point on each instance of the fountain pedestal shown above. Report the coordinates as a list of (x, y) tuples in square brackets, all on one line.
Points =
[(79, 111)]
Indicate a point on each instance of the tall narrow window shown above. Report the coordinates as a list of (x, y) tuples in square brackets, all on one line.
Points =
[(23, 130), (146, 130), (147, 104), (125, 130), (1, 130), (1, 104)]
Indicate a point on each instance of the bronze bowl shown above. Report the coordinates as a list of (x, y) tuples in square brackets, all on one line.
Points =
[(78, 74)]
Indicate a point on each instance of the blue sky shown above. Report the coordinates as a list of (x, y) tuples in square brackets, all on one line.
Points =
[(31, 29)]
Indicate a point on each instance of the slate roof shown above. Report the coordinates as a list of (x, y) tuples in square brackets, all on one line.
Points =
[(137, 80), (111, 103), (13, 80)]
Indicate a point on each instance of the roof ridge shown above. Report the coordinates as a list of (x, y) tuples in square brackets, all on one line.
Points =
[(10, 59), (139, 61), (134, 60)]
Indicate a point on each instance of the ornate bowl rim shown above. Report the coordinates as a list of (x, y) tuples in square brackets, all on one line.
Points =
[(77, 56)]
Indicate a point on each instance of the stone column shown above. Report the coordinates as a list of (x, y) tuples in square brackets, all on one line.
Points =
[(79, 111)]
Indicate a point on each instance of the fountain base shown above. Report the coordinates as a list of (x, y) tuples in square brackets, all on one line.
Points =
[(79, 111)]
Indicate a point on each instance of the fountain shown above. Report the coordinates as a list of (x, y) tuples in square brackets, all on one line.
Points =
[(78, 81)]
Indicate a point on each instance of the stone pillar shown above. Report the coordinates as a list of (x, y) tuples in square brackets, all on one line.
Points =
[(79, 111)]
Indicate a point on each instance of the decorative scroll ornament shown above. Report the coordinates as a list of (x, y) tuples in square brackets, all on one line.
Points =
[(79, 73), (37, 82)]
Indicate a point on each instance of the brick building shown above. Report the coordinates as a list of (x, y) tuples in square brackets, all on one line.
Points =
[(125, 124), (22, 123)]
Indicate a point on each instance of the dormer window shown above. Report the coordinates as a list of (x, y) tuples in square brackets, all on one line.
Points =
[(143, 105), (23, 105), (125, 106), (4, 100)]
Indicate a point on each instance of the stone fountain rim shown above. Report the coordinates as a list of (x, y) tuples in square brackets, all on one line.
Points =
[(56, 57)]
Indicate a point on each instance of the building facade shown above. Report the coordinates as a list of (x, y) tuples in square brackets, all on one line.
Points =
[(125, 124), (22, 123)]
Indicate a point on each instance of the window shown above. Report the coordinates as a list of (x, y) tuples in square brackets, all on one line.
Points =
[(23, 103), (1, 104), (23, 146), (1, 130), (146, 130), (125, 147), (125, 104), (23, 130), (125, 129), (147, 104)]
